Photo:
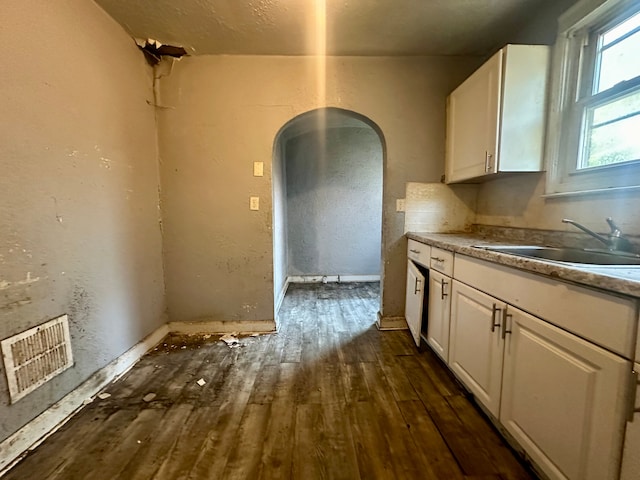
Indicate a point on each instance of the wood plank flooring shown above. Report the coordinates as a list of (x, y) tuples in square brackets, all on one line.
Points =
[(327, 397)]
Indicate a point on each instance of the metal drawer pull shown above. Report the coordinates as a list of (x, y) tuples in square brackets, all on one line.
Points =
[(443, 284), (414, 251), (437, 259), (505, 315), (493, 318), (416, 289)]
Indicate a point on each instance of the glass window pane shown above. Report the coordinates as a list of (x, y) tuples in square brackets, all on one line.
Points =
[(620, 30), (618, 63), (613, 143), (618, 108)]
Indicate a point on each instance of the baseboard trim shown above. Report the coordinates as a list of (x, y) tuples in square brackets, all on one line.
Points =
[(391, 323), (223, 326), (332, 278), (48, 422)]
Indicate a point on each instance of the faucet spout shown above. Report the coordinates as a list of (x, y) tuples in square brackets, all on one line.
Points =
[(614, 241), (595, 235)]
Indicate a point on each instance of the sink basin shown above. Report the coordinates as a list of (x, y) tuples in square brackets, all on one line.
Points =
[(568, 255)]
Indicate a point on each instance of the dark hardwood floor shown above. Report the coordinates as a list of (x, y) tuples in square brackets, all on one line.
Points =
[(329, 396)]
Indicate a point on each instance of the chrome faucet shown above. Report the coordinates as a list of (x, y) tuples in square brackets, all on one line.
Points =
[(614, 241)]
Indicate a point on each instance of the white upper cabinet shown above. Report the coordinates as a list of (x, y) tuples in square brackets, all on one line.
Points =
[(496, 118)]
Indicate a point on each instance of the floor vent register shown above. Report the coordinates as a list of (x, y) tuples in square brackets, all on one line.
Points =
[(35, 356)]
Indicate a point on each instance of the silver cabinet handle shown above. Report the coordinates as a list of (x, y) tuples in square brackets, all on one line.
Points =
[(487, 161), (505, 316), (443, 284), (437, 259), (493, 317), (415, 288), (414, 251)]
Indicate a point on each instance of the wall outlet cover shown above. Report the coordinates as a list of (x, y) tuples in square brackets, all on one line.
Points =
[(258, 169), (254, 203)]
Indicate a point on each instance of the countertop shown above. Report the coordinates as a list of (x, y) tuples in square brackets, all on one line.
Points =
[(616, 279)]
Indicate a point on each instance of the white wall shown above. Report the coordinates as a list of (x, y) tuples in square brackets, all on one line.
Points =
[(222, 113), (79, 230), (334, 202)]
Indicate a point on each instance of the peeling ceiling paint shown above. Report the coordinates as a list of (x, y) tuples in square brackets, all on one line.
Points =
[(353, 27)]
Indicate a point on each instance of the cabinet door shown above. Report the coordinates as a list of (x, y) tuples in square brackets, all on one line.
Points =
[(413, 305), (631, 452), (475, 345), (438, 315), (472, 123), (563, 399)]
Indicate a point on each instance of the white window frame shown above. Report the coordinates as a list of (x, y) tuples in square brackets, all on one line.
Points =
[(566, 113)]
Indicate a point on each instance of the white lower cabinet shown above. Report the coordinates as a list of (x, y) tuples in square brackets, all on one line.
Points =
[(475, 347), (414, 300), (631, 454), (558, 395), (562, 399), (439, 313)]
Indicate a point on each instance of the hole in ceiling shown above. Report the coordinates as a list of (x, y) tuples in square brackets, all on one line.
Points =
[(154, 50)]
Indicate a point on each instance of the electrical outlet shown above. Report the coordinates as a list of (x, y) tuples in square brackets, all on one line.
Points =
[(254, 203), (258, 169), (400, 205)]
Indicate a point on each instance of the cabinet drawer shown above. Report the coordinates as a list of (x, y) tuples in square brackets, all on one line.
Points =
[(604, 319), (441, 261), (419, 252)]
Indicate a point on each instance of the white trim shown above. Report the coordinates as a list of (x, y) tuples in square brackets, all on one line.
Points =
[(280, 298), (223, 326), (563, 134), (391, 323), (332, 278), (48, 422)]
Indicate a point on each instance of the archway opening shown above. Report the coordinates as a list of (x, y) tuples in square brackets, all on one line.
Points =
[(327, 200)]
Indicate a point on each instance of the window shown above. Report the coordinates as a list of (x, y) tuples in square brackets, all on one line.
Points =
[(595, 121)]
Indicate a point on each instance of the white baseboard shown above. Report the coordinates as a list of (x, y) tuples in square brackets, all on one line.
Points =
[(332, 278), (391, 323), (48, 422), (223, 326)]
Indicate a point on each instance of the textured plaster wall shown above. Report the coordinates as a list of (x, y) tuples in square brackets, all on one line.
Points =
[(222, 113), (334, 202), (517, 201), (279, 222), (78, 189)]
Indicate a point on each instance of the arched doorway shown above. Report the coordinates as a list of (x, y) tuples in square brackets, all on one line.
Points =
[(327, 199)]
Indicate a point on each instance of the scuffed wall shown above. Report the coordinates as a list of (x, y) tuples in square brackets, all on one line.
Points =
[(334, 202), (79, 214), (222, 113)]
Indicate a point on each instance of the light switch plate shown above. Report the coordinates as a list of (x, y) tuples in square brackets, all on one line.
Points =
[(400, 204), (254, 203), (258, 169)]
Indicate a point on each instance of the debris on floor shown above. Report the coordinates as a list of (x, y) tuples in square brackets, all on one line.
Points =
[(231, 340), (201, 382), (104, 395), (148, 397)]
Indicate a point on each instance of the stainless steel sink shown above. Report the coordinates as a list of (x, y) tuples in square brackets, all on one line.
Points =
[(569, 255)]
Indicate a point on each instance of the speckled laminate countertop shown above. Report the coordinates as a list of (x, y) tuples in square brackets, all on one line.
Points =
[(617, 279)]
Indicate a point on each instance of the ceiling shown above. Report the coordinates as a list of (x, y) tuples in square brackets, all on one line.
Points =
[(334, 27)]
